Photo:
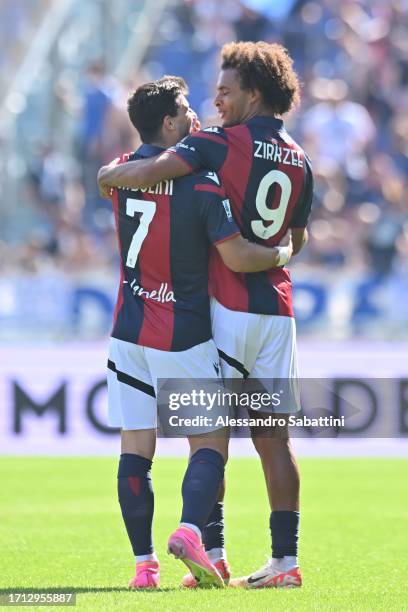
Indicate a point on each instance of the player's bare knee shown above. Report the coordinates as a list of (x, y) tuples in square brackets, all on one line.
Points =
[(266, 437), (217, 441), (138, 442), (213, 446)]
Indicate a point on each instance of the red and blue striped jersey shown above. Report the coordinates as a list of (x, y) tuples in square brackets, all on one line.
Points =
[(268, 179), (164, 235)]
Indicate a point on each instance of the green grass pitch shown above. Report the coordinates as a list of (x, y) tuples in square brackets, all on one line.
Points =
[(60, 527)]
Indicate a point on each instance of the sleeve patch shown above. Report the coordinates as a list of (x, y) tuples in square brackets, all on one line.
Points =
[(227, 208)]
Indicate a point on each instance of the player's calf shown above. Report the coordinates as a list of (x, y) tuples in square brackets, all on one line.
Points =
[(201, 485), (136, 500)]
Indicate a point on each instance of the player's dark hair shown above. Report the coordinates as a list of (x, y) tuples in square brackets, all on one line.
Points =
[(267, 68), (151, 102)]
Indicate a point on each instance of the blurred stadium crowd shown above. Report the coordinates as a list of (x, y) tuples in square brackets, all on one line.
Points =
[(56, 236)]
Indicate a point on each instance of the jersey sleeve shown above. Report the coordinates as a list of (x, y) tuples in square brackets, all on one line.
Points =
[(216, 213), (301, 213), (207, 148)]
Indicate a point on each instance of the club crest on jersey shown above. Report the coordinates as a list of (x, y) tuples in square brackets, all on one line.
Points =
[(158, 295), (227, 208)]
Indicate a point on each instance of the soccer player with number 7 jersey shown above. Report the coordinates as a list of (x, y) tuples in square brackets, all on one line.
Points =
[(268, 179)]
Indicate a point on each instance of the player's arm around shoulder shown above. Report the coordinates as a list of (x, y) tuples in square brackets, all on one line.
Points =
[(237, 253), (141, 173), (240, 255), (105, 189)]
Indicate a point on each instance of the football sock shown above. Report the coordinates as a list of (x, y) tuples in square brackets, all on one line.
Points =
[(284, 526), (215, 554), (136, 500), (213, 533), (192, 527), (141, 558), (201, 485), (284, 564)]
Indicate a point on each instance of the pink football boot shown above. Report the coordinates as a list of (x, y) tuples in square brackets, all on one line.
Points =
[(186, 545), (147, 576), (223, 568)]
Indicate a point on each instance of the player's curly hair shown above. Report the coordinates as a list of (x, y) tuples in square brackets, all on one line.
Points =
[(266, 67), (151, 102)]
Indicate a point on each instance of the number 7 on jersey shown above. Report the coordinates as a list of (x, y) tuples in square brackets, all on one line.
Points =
[(148, 210)]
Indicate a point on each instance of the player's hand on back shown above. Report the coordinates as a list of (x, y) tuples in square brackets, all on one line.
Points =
[(287, 243), (105, 191), (195, 124), (286, 240)]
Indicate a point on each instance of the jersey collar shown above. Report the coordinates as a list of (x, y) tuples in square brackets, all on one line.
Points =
[(273, 122), (148, 150)]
